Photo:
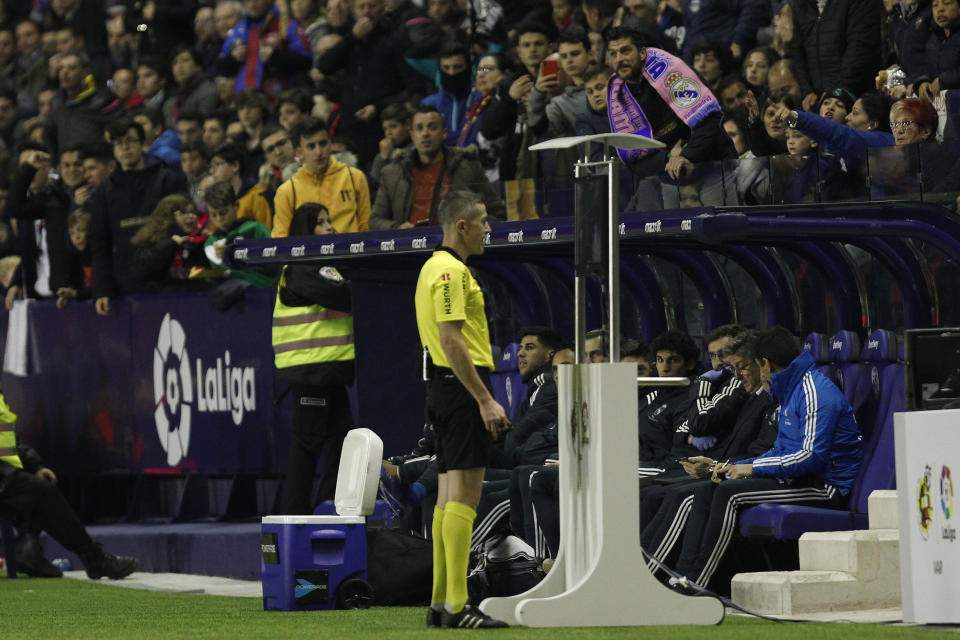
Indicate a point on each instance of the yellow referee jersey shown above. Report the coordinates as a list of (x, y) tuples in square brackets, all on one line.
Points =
[(447, 291)]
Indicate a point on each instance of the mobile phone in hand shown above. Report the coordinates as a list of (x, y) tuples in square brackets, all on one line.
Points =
[(548, 67)]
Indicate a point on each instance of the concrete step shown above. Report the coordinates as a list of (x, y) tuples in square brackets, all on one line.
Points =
[(882, 509), (797, 592), (871, 555)]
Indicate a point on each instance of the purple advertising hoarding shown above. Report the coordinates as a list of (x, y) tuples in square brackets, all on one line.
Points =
[(203, 386), (164, 384)]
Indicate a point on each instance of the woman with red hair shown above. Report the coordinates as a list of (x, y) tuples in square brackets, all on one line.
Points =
[(913, 120)]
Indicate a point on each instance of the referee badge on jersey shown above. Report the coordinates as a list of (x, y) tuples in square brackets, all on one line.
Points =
[(313, 402), (330, 274)]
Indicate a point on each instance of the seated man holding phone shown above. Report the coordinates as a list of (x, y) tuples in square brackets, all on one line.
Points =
[(814, 459)]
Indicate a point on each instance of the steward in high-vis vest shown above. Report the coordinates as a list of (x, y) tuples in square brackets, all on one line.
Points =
[(28, 492), (313, 352)]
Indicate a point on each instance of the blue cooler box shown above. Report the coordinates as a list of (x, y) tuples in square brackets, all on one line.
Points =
[(320, 562), (313, 562)]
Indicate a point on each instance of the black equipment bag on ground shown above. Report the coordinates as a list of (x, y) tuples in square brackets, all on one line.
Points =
[(506, 566), (399, 567)]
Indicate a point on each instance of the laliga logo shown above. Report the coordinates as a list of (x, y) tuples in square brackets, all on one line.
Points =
[(172, 390), (925, 502), (219, 389), (946, 491)]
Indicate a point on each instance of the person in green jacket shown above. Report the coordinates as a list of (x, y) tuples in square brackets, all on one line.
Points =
[(221, 201)]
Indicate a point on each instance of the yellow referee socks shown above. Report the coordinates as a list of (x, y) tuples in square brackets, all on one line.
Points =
[(457, 532), (439, 593)]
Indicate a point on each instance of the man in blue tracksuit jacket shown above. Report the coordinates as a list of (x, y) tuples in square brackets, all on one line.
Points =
[(814, 459)]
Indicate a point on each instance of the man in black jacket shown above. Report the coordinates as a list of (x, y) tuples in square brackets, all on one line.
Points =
[(534, 359), (513, 496), (373, 76), (507, 115), (29, 494), (717, 400), (835, 44), (40, 205), (84, 112), (120, 206), (664, 409)]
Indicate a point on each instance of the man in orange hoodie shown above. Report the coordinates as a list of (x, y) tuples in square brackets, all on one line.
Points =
[(341, 189)]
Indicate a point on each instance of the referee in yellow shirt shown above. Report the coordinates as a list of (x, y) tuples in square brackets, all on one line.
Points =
[(466, 418)]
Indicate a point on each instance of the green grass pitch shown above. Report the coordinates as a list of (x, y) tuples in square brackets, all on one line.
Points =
[(65, 608)]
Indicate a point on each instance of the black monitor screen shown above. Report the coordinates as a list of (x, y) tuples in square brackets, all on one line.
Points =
[(933, 368)]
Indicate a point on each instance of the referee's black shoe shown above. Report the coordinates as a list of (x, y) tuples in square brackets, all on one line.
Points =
[(433, 618), (470, 617)]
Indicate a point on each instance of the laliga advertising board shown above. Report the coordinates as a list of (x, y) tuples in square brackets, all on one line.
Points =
[(203, 388), (928, 455)]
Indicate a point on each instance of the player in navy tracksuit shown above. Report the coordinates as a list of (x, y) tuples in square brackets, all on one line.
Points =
[(813, 460)]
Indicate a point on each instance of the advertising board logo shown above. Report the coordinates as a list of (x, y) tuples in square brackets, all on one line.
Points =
[(946, 492), (312, 587), (172, 390), (220, 388), (925, 502)]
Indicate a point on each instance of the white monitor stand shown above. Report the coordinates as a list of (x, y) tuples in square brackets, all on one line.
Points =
[(600, 577)]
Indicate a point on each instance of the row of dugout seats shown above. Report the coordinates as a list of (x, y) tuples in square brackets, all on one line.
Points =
[(872, 379)]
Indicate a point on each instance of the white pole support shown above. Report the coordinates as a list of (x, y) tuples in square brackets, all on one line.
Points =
[(600, 577)]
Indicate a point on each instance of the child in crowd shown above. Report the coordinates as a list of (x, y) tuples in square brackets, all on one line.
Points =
[(221, 201), (396, 120), (798, 145), (169, 247), (79, 261), (795, 175)]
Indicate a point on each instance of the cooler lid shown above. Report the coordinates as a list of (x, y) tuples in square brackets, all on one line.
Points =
[(359, 475)]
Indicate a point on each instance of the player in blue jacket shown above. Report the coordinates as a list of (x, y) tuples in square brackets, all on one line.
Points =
[(814, 459)]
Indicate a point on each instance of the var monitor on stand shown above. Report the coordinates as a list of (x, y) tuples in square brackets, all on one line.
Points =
[(600, 577)]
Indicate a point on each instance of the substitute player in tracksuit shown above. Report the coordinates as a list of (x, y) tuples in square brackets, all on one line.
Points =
[(814, 459)]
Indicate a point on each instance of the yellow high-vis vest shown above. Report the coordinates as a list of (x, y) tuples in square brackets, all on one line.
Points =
[(8, 437), (310, 335)]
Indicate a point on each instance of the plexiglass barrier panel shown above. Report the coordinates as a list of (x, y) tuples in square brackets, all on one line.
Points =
[(927, 172), (894, 173)]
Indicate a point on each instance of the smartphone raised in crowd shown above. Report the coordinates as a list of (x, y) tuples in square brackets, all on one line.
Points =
[(548, 67)]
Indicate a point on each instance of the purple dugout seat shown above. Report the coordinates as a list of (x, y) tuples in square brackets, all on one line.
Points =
[(845, 359), (883, 377), (508, 389), (819, 347)]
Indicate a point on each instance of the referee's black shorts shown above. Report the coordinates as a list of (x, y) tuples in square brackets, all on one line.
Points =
[(462, 440)]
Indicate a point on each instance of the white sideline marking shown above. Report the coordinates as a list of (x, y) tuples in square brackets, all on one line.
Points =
[(180, 583)]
